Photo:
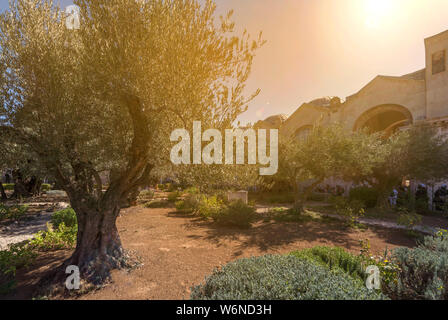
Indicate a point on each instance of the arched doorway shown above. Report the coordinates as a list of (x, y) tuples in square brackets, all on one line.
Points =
[(384, 118)]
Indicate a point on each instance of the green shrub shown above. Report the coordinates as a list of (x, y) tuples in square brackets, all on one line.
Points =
[(66, 216), (8, 186), (17, 256), (193, 190), (335, 259), (182, 206), (174, 196), (209, 206), (280, 278), (369, 196), (236, 214), (146, 195), (45, 187), (157, 204), (409, 219), (63, 237), (351, 209), (14, 212), (423, 270)]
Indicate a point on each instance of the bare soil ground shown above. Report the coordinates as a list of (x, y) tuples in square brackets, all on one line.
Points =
[(179, 251)]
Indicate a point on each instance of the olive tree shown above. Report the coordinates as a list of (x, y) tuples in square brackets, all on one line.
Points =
[(103, 98), (328, 152), (418, 153)]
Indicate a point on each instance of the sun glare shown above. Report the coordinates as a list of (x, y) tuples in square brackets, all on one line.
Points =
[(376, 12)]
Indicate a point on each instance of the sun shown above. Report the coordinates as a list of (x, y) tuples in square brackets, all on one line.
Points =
[(376, 12)]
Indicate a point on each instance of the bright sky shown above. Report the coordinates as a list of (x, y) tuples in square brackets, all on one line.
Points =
[(320, 48)]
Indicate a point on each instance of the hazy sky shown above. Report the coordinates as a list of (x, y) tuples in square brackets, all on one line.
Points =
[(330, 47)]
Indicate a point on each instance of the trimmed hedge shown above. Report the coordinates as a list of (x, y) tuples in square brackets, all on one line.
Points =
[(280, 278)]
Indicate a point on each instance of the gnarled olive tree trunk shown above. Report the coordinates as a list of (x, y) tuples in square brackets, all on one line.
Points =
[(98, 247)]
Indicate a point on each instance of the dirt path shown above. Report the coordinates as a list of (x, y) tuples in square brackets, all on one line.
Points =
[(179, 251)]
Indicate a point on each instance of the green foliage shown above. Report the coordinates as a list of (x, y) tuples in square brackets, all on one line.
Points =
[(409, 219), (419, 152), (209, 206), (17, 256), (146, 195), (280, 278), (388, 269), (45, 187), (192, 190), (62, 237), (423, 270), (351, 209), (236, 214), (335, 258), (336, 153), (14, 212), (174, 196), (369, 196), (66, 216), (8, 186)]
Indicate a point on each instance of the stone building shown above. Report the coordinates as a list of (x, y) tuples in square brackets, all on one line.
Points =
[(386, 103)]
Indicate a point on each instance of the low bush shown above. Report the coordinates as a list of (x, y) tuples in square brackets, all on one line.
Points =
[(280, 278), (335, 259), (174, 196), (62, 237), (423, 270), (146, 195), (45, 187), (368, 196), (192, 190), (236, 214), (8, 186), (351, 209), (66, 216), (409, 219), (208, 206), (14, 212), (17, 256)]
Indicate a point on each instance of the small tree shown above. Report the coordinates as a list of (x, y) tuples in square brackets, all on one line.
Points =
[(329, 152), (105, 97), (417, 153)]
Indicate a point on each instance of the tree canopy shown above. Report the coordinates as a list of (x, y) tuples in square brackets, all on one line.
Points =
[(104, 97)]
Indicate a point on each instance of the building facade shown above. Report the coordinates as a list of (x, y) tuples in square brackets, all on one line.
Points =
[(385, 104)]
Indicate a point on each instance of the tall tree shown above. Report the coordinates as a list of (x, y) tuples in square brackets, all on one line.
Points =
[(104, 98)]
